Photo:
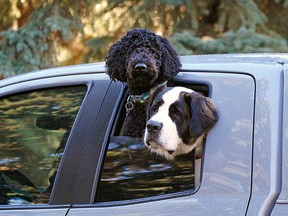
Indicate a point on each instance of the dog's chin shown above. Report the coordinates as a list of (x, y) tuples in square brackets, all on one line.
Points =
[(164, 153), (141, 81), (152, 144), (142, 77), (157, 148), (181, 149)]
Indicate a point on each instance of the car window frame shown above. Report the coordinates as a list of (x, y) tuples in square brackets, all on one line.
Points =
[(96, 149), (86, 192), (63, 192)]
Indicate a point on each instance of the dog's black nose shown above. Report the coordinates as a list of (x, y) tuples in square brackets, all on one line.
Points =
[(154, 126), (141, 66)]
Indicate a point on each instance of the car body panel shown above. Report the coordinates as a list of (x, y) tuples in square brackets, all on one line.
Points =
[(267, 140), (56, 211), (281, 207), (242, 165)]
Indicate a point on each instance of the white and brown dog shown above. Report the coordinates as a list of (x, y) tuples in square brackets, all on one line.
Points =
[(178, 119)]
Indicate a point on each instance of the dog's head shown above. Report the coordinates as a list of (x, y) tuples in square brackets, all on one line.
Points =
[(178, 119), (142, 59)]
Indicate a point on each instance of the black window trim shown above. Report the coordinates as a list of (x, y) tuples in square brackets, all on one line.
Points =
[(66, 185), (96, 146)]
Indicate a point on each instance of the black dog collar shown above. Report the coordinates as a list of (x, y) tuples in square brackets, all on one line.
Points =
[(136, 99), (132, 99)]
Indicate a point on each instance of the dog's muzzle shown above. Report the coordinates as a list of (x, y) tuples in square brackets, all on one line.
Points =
[(153, 129)]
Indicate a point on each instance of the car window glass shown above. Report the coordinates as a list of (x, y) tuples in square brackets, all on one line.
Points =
[(130, 171), (34, 129)]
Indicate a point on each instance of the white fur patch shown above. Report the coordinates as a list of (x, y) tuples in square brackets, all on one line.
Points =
[(181, 149)]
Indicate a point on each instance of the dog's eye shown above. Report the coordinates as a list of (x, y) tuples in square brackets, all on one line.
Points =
[(175, 111), (154, 109), (156, 106)]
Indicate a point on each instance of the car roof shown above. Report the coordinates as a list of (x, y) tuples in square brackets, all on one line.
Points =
[(55, 72), (260, 58), (187, 62)]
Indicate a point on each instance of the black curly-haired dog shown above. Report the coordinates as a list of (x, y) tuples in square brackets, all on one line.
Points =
[(143, 60)]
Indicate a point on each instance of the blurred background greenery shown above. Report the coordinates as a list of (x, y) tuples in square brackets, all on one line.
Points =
[(36, 34)]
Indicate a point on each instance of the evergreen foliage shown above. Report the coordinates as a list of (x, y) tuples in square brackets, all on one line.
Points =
[(41, 34), (34, 45), (242, 40), (239, 28)]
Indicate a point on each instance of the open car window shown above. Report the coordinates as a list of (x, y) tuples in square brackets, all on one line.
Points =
[(131, 172)]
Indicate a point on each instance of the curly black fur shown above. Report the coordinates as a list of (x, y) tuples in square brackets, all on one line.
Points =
[(143, 60)]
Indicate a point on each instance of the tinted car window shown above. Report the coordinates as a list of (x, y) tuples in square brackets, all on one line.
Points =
[(34, 130), (131, 172)]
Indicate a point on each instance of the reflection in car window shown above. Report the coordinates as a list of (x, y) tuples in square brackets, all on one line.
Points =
[(34, 130), (130, 172)]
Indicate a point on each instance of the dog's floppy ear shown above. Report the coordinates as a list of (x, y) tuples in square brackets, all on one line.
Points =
[(155, 90), (203, 113), (116, 62), (171, 64)]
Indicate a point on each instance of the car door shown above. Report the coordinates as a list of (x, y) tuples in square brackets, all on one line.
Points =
[(213, 181), (281, 206), (46, 124)]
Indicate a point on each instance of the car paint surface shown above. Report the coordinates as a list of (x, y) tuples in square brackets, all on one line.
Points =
[(243, 171)]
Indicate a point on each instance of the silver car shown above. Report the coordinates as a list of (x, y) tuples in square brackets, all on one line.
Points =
[(62, 151)]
